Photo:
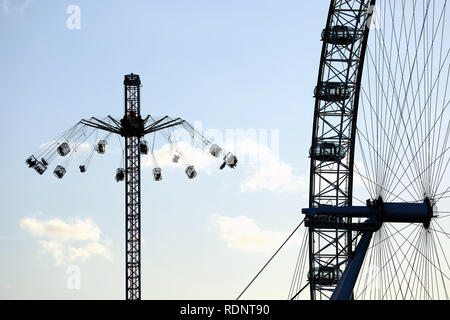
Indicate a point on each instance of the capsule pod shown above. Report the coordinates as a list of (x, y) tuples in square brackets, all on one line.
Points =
[(215, 150), (230, 160), (175, 158), (340, 35), (101, 147), (31, 161), (143, 147), (157, 174), (333, 91), (82, 168), (63, 149), (327, 152), (40, 167), (120, 174), (190, 172), (325, 276), (59, 172)]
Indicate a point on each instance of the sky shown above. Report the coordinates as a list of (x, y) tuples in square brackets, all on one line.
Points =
[(228, 65), (242, 71)]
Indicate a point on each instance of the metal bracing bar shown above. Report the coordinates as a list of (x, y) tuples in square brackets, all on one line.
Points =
[(170, 124), (115, 121), (156, 122), (344, 289), (146, 119), (100, 127)]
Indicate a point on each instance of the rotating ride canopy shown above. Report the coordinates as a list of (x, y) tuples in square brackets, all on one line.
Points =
[(133, 128), (387, 65)]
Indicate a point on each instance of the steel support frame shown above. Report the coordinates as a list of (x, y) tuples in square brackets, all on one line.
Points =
[(335, 122), (132, 199), (132, 127)]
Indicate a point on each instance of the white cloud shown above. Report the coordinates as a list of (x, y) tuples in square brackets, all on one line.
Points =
[(244, 234), (268, 172), (68, 241), (91, 249), (77, 230), (56, 249)]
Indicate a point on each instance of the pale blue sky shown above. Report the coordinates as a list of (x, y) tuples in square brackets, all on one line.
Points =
[(231, 64)]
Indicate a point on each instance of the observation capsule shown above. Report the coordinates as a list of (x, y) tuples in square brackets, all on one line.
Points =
[(157, 174), (175, 158), (41, 166), (333, 91), (31, 161), (340, 35), (190, 172), (230, 160), (59, 172), (120, 174), (327, 152), (325, 276), (143, 147), (101, 147), (63, 149), (215, 150)]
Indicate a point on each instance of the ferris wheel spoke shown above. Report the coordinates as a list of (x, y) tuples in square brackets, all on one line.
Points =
[(395, 92), (436, 254), (426, 259), (423, 143), (391, 235), (417, 269), (378, 185), (440, 168), (435, 147), (376, 152), (386, 165), (380, 38), (369, 168), (301, 266), (440, 243), (382, 265), (407, 277), (441, 231), (395, 274), (420, 175), (432, 130)]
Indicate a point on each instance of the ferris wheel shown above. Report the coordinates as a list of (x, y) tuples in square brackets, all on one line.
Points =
[(378, 223)]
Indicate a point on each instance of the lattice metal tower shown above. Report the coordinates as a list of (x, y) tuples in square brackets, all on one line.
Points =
[(132, 188)]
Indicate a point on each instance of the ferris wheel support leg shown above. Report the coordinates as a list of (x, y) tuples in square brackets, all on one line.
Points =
[(344, 289)]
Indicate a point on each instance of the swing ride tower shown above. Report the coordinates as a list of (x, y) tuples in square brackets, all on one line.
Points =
[(132, 128)]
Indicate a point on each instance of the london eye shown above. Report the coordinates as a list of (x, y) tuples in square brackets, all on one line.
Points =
[(376, 226)]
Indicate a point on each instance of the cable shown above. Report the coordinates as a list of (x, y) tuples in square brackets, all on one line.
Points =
[(270, 260)]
